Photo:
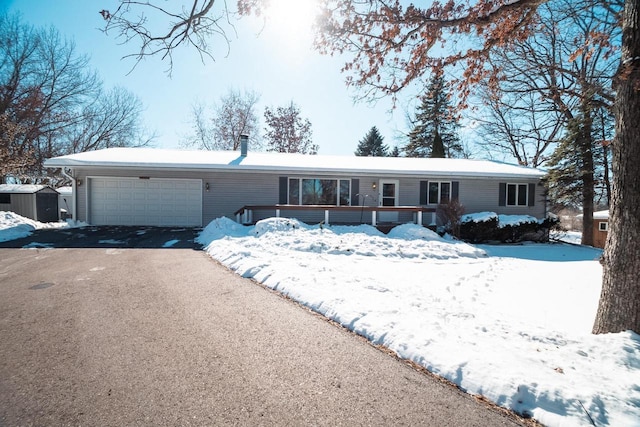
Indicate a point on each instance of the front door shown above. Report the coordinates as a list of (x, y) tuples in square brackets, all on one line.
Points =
[(388, 196)]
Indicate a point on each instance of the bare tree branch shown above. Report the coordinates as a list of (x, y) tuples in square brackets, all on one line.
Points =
[(136, 21)]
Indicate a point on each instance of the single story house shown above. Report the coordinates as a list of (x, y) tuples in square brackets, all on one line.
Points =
[(600, 228), (146, 186), (38, 202)]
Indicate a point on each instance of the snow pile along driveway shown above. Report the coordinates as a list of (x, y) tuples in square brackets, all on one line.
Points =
[(511, 323), (14, 226)]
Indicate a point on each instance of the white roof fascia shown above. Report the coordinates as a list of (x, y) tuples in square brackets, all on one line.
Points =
[(155, 159)]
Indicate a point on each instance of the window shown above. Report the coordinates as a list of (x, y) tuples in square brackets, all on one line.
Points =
[(603, 226), (345, 192), (317, 191), (517, 195), (294, 191), (5, 198), (439, 192)]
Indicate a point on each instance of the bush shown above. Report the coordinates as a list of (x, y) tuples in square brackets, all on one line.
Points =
[(490, 230), (479, 232), (450, 215)]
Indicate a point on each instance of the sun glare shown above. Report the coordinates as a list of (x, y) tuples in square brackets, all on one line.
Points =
[(292, 21)]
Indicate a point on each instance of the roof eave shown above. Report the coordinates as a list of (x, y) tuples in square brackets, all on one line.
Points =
[(67, 163)]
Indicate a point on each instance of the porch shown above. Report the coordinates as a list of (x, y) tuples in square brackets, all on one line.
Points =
[(374, 214)]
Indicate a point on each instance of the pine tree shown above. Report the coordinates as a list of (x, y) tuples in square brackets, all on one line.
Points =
[(435, 117), (437, 150), (572, 169), (395, 152), (372, 144)]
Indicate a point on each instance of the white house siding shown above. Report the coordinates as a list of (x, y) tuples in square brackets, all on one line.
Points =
[(229, 191), (480, 195)]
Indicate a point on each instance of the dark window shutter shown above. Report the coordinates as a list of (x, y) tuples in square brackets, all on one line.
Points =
[(355, 191), (284, 190), (532, 194), (502, 196), (455, 188), (424, 185)]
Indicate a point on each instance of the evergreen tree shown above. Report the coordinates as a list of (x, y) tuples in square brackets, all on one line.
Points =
[(438, 146), (579, 167), (563, 179), (372, 144), (395, 152), (435, 117)]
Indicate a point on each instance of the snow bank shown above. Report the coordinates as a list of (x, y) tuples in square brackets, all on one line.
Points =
[(14, 226), (500, 321), (220, 228)]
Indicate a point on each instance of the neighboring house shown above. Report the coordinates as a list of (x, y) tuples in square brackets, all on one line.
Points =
[(65, 202), (600, 228), (143, 186), (37, 202)]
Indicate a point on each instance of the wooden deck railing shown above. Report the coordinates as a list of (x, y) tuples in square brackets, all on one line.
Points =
[(244, 215)]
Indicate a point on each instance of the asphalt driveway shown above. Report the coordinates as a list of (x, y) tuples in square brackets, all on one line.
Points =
[(109, 237), (116, 336)]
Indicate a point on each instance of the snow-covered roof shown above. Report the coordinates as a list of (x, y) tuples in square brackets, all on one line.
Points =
[(65, 191), (150, 158), (601, 215), (21, 188)]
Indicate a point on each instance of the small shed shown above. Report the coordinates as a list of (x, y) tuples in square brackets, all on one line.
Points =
[(38, 202), (600, 228), (65, 202)]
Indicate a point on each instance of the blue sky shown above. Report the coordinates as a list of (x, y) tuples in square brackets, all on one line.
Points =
[(274, 59)]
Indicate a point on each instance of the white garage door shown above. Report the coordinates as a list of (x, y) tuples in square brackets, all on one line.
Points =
[(135, 201)]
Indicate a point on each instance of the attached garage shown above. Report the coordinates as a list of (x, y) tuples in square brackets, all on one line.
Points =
[(144, 201)]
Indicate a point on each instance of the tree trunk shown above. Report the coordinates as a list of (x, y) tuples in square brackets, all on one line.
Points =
[(605, 163), (607, 179), (619, 307), (585, 146)]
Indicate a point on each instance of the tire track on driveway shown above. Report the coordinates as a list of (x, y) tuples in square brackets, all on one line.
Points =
[(170, 337)]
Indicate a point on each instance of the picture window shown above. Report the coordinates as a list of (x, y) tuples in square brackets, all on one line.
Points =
[(319, 191)]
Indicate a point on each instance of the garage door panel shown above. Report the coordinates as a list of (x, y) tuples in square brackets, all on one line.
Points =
[(160, 202)]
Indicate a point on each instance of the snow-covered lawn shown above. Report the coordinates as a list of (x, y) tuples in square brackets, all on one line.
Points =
[(509, 322)]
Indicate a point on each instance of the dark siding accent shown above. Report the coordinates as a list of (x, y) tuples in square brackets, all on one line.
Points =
[(502, 195), (532, 194), (455, 189), (424, 185), (284, 190), (355, 191)]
